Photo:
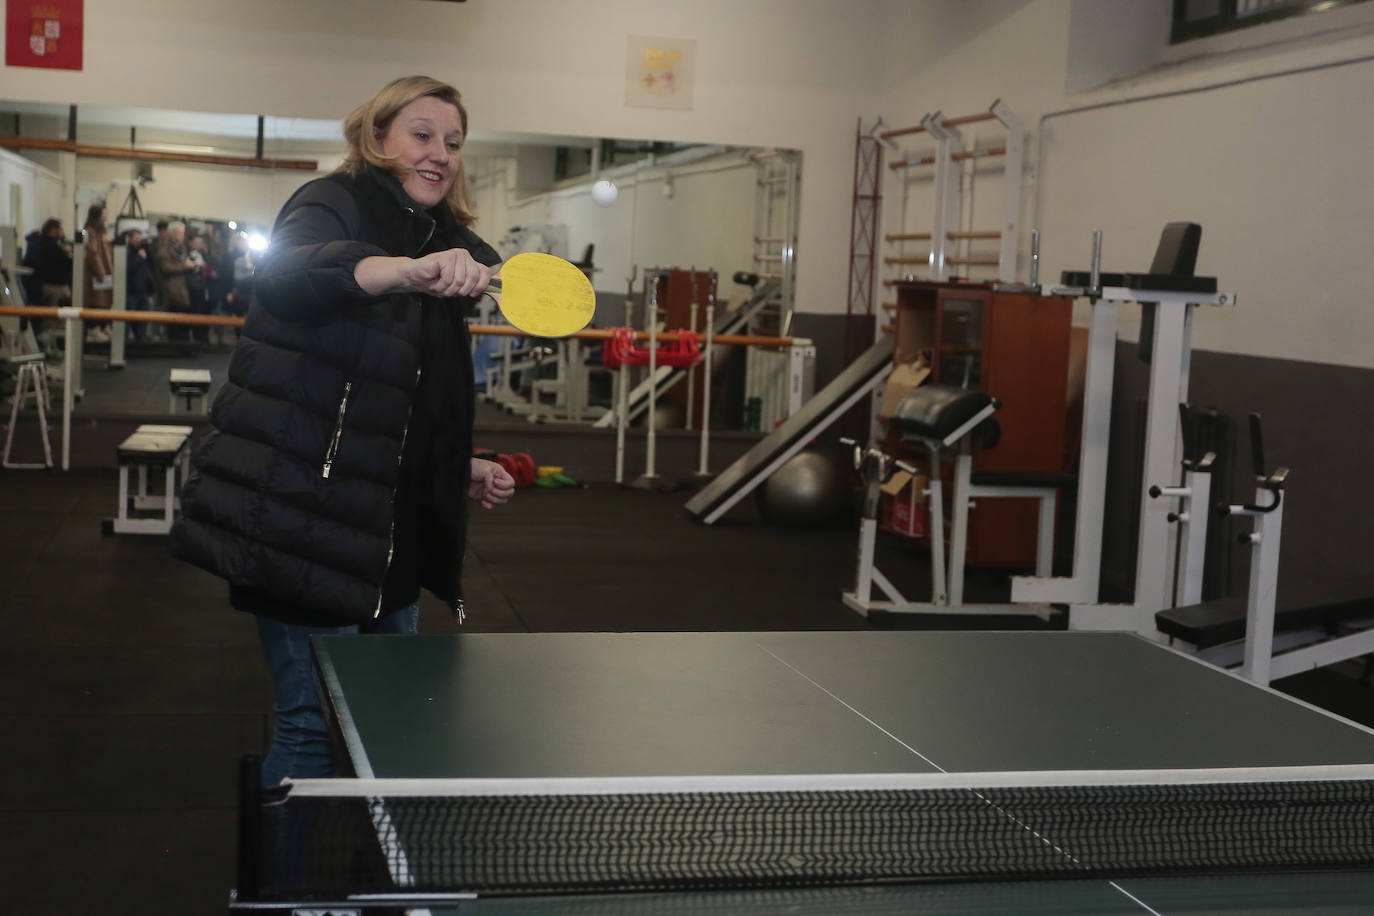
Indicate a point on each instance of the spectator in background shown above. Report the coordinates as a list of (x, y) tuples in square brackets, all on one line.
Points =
[(140, 288), (53, 266), (33, 291), (98, 279), (221, 282), (241, 290), (153, 249), (33, 288), (172, 267), (198, 284)]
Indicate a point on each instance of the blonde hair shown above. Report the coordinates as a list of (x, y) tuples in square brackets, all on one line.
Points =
[(370, 120)]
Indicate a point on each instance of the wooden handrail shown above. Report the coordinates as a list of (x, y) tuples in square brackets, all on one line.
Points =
[(188, 318), (901, 132), (732, 340), (229, 321), (908, 163), (959, 156), (968, 119), (980, 153), (947, 122), (147, 155), (925, 236)]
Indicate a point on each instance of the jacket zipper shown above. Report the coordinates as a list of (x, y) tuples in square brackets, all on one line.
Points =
[(333, 451), (391, 533), (433, 224), (391, 530)]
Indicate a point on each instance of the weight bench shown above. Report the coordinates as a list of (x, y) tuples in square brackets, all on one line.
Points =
[(942, 417), (151, 446), (30, 382), (1305, 632), (189, 383), (1261, 637)]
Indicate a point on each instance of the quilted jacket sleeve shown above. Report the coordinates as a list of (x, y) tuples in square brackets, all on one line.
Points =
[(308, 271)]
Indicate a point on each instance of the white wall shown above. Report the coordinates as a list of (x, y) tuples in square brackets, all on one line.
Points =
[(708, 221), (209, 192), (1275, 170), (40, 192), (1272, 169), (787, 73)]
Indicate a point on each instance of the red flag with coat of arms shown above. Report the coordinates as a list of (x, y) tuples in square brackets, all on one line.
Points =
[(44, 33)]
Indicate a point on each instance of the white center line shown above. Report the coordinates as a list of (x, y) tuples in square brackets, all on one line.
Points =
[(821, 687), (1123, 890), (838, 699)]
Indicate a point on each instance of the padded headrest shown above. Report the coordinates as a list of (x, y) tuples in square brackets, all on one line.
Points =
[(1177, 251), (935, 411)]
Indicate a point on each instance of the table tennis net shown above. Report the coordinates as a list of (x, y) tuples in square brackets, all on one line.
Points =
[(327, 839)]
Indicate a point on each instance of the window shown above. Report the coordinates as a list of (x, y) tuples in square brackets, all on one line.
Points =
[(1198, 18)]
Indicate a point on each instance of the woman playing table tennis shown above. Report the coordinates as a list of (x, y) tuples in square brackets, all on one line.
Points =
[(333, 487)]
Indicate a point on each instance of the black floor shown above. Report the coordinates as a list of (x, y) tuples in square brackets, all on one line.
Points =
[(128, 688)]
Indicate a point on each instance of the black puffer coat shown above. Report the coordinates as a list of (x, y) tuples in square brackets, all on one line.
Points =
[(293, 494)]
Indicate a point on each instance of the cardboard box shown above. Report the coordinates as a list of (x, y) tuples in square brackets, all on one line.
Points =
[(904, 504), (900, 383)]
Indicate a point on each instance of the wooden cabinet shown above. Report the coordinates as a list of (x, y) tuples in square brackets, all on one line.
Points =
[(1014, 346)]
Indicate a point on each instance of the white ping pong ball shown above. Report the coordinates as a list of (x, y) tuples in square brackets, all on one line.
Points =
[(605, 192)]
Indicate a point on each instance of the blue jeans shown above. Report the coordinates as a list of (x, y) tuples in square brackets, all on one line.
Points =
[(301, 746), (140, 302)]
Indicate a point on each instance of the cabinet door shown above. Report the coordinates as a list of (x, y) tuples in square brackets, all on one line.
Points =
[(959, 346)]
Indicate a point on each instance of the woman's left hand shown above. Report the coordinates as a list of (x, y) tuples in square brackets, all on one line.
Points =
[(491, 484)]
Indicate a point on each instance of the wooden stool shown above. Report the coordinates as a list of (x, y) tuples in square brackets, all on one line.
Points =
[(151, 446), (189, 383), (31, 381)]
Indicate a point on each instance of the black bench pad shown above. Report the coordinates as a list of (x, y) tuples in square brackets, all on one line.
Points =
[(1143, 282), (1213, 623), (1059, 480), (935, 411)]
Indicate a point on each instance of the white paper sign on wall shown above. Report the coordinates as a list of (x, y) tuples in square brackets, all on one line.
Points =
[(659, 72)]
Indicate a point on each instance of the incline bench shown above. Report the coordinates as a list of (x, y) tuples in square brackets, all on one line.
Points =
[(151, 446)]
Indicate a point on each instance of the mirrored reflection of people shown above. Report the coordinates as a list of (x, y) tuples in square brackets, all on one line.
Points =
[(239, 270), (98, 281), (172, 267), (53, 266), (154, 245), (198, 285), (335, 485), (139, 285)]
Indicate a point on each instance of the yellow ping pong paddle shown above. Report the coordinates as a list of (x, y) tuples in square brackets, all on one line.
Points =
[(543, 295)]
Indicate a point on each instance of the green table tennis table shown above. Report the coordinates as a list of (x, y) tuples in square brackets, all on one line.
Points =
[(775, 704)]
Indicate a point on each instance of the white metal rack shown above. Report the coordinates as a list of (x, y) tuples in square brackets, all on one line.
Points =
[(949, 240)]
